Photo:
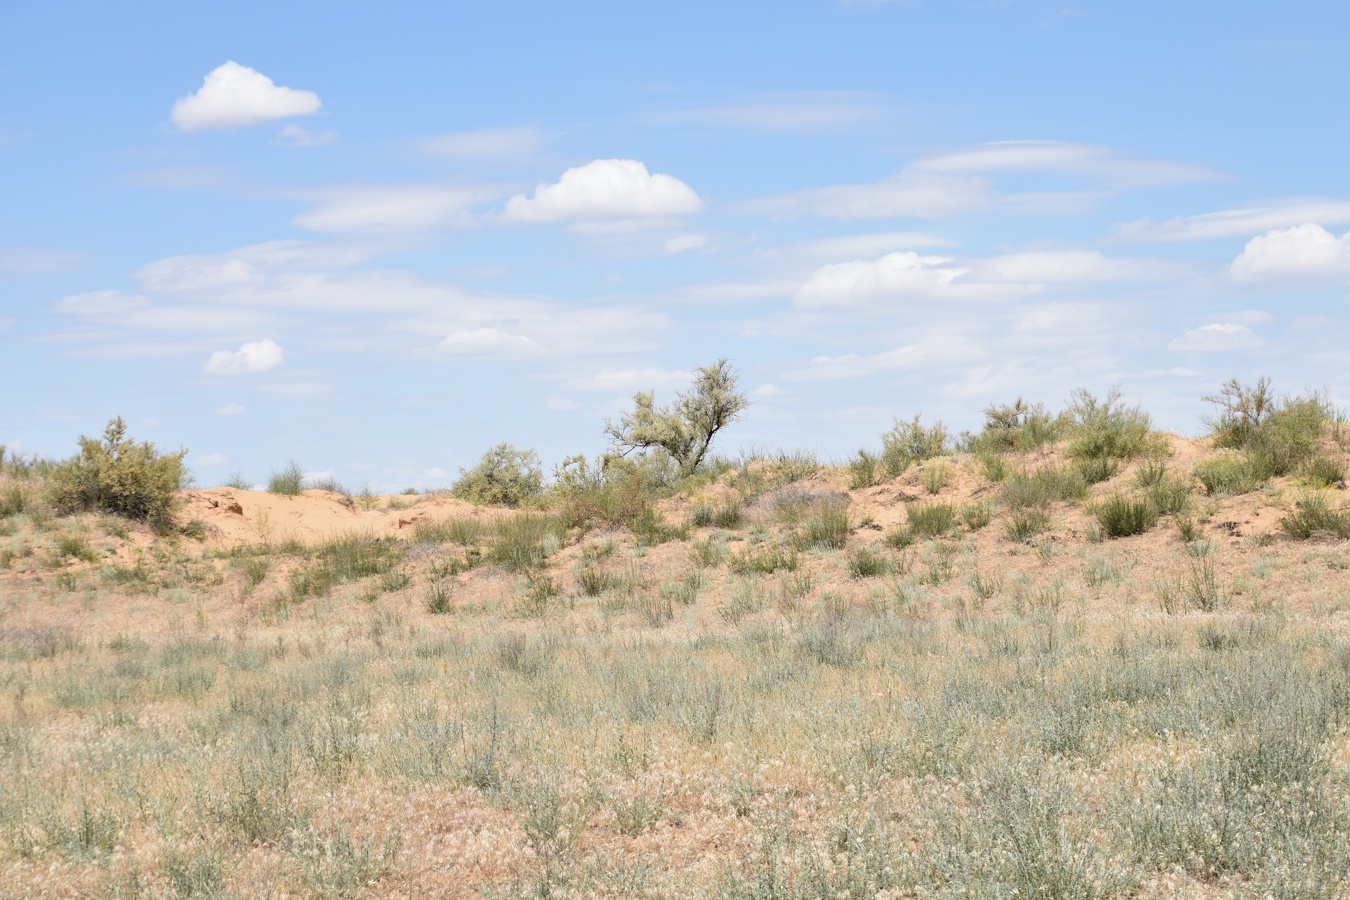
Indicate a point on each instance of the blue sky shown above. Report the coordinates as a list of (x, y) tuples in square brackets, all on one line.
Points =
[(378, 240)]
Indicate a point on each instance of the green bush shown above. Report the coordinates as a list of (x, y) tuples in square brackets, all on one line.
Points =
[(1231, 473), (1107, 429), (288, 482), (119, 476), (931, 519), (1016, 427), (1313, 516), (1025, 524), (1323, 471), (504, 476), (868, 563), (826, 526), (615, 493), (910, 442), (862, 471), (1122, 515), (1040, 487)]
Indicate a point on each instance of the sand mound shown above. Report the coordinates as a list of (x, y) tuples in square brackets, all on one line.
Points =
[(233, 516)]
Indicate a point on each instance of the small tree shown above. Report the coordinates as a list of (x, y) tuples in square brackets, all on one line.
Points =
[(685, 429), (504, 476), (120, 476)]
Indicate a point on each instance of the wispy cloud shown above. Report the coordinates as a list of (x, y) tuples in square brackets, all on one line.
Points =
[(1242, 222), (487, 144)]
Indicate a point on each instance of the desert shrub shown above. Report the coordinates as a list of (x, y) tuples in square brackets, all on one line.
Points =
[(1313, 516), (611, 493), (1015, 427), (910, 442), (684, 430), (763, 561), (1095, 470), (1170, 497), (868, 563), (120, 476), (863, 471), (935, 478), (465, 532), (1290, 437), (504, 476), (1323, 471), (345, 560), (594, 581), (826, 526), (1025, 524), (1040, 487), (521, 542), (15, 499), (976, 515), (1242, 411), (238, 482), (931, 519), (1230, 473), (1108, 429), (288, 481), (1122, 515)]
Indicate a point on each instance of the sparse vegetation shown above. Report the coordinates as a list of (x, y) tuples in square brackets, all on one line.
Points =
[(847, 695), (288, 482)]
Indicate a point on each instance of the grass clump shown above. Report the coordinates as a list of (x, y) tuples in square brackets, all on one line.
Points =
[(1230, 474), (343, 561), (1025, 524), (523, 542), (931, 519), (825, 527), (504, 476), (1040, 487), (1313, 516), (868, 563), (1122, 515), (763, 561), (863, 471), (120, 476)]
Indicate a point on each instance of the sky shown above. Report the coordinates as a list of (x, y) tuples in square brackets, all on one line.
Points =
[(378, 239)]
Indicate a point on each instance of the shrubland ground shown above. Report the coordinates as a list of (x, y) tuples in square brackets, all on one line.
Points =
[(1075, 659)]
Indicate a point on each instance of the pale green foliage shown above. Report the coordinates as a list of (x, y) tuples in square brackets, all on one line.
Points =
[(1242, 411), (685, 429), (1017, 427), (504, 476), (121, 476), (1107, 429), (910, 442)]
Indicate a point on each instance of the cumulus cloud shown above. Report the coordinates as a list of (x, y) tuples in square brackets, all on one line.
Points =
[(1305, 252), (294, 135), (232, 96), (254, 356), (487, 144), (606, 189), (892, 279), (1216, 337)]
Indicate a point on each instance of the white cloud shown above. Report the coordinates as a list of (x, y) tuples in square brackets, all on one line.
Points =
[(1103, 164), (895, 277), (1305, 252), (487, 144), (229, 409), (635, 379), (934, 349), (1237, 222), (767, 390), (684, 242), (385, 208), (210, 459), (26, 260), (137, 313), (1216, 337), (1174, 372), (561, 404), (1059, 267), (232, 95), (489, 343), (294, 135), (254, 356), (606, 189), (858, 246), (960, 181)]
